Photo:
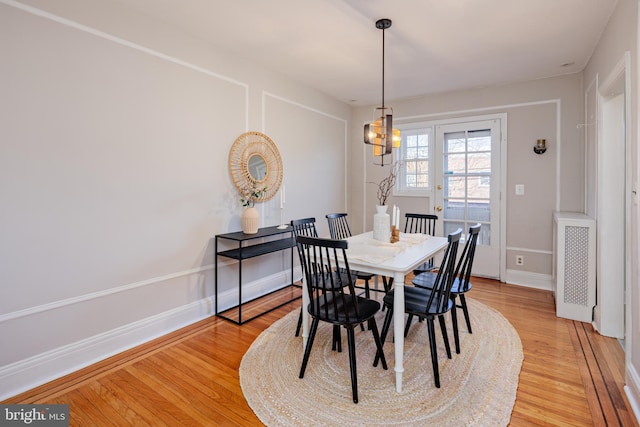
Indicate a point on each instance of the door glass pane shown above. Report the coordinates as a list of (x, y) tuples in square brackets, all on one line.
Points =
[(478, 187), (484, 237), (479, 162), (454, 209), (479, 140), (467, 182), (451, 226), (455, 142), (455, 163), (478, 210), (454, 186)]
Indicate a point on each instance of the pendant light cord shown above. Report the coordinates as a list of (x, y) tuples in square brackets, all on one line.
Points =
[(383, 68)]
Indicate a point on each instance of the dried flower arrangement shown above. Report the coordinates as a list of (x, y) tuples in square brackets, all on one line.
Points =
[(386, 185)]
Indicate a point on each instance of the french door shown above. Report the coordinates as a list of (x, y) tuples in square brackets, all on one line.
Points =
[(467, 187)]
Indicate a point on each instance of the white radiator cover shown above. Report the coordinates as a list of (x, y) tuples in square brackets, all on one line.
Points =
[(574, 266)]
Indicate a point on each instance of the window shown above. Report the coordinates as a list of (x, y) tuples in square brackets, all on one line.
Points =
[(414, 177)]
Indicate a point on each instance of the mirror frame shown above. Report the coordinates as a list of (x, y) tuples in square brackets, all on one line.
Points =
[(244, 148)]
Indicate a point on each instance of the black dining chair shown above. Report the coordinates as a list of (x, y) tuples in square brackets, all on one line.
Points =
[(333, 298), (307, 227), (419, 223), (429, 304), (425, 224), (339, 230), (303, 227), (461, 282)]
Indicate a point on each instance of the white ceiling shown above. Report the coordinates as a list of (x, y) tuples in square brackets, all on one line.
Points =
[(433, 45)]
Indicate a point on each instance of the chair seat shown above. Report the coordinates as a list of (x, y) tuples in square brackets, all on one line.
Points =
[(425, 280), (363, 275), (368, 308), (424, 267), (415, 302)]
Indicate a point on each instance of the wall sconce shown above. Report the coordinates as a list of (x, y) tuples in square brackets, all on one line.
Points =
[(540, 147)]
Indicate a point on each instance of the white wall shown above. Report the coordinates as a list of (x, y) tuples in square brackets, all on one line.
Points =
[(114, 179)]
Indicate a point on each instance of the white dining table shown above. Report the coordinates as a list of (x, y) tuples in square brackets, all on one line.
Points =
[(395, 260)]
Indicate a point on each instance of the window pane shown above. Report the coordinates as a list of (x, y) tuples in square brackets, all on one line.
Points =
[(479, 140), (478, 210), (479, 162), (422, 167), (454, 163), (478, 187), (414, 173), (454, 186), (454, 142), (454, 208), (484, 237), (450, 226)]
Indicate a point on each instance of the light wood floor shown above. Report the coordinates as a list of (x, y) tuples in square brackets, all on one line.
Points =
[(570, 376)]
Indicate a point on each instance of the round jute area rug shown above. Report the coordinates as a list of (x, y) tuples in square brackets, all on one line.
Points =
[(478, 386)]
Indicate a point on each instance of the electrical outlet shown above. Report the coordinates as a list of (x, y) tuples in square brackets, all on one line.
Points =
[(519, 260)]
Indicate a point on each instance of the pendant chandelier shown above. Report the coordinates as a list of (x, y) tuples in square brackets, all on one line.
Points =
[(380, 133)]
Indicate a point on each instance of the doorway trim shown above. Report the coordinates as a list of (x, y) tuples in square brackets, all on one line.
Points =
[(612, 312)]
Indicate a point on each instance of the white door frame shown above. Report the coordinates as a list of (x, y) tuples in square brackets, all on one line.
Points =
[(502, 161), (613, 182)]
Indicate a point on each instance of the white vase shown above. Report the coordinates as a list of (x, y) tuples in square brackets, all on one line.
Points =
[(382, 224), (250, 220)]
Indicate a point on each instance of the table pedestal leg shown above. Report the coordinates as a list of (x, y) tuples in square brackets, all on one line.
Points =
[(398, 327)]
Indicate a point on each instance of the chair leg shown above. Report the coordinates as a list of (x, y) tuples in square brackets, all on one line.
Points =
[(367, 291), (434, 351), (406, 328), (387, 287), (299, 324), (445, 335), (376, 337), (454, 320), (463, 304), (337, 340), (307, 350), (385, 330), (351, 342)]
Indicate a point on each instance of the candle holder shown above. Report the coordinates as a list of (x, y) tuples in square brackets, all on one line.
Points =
[(282, 225), (395, 234)]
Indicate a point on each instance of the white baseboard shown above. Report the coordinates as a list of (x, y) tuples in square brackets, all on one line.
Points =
[(530, 280), (32, 372), (42, 368), (632, 389)]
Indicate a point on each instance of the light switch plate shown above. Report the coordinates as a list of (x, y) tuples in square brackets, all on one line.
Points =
[(519, 189)]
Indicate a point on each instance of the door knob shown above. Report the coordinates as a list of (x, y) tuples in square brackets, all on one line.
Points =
[(439, 186), (439, 208)]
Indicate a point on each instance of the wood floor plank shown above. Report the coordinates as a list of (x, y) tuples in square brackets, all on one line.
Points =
[(190, 376)]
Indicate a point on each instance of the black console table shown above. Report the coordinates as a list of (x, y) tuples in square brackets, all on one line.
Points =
[(273, 239)]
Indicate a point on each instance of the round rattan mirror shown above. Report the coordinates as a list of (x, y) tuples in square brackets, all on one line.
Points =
[(255, 163)]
